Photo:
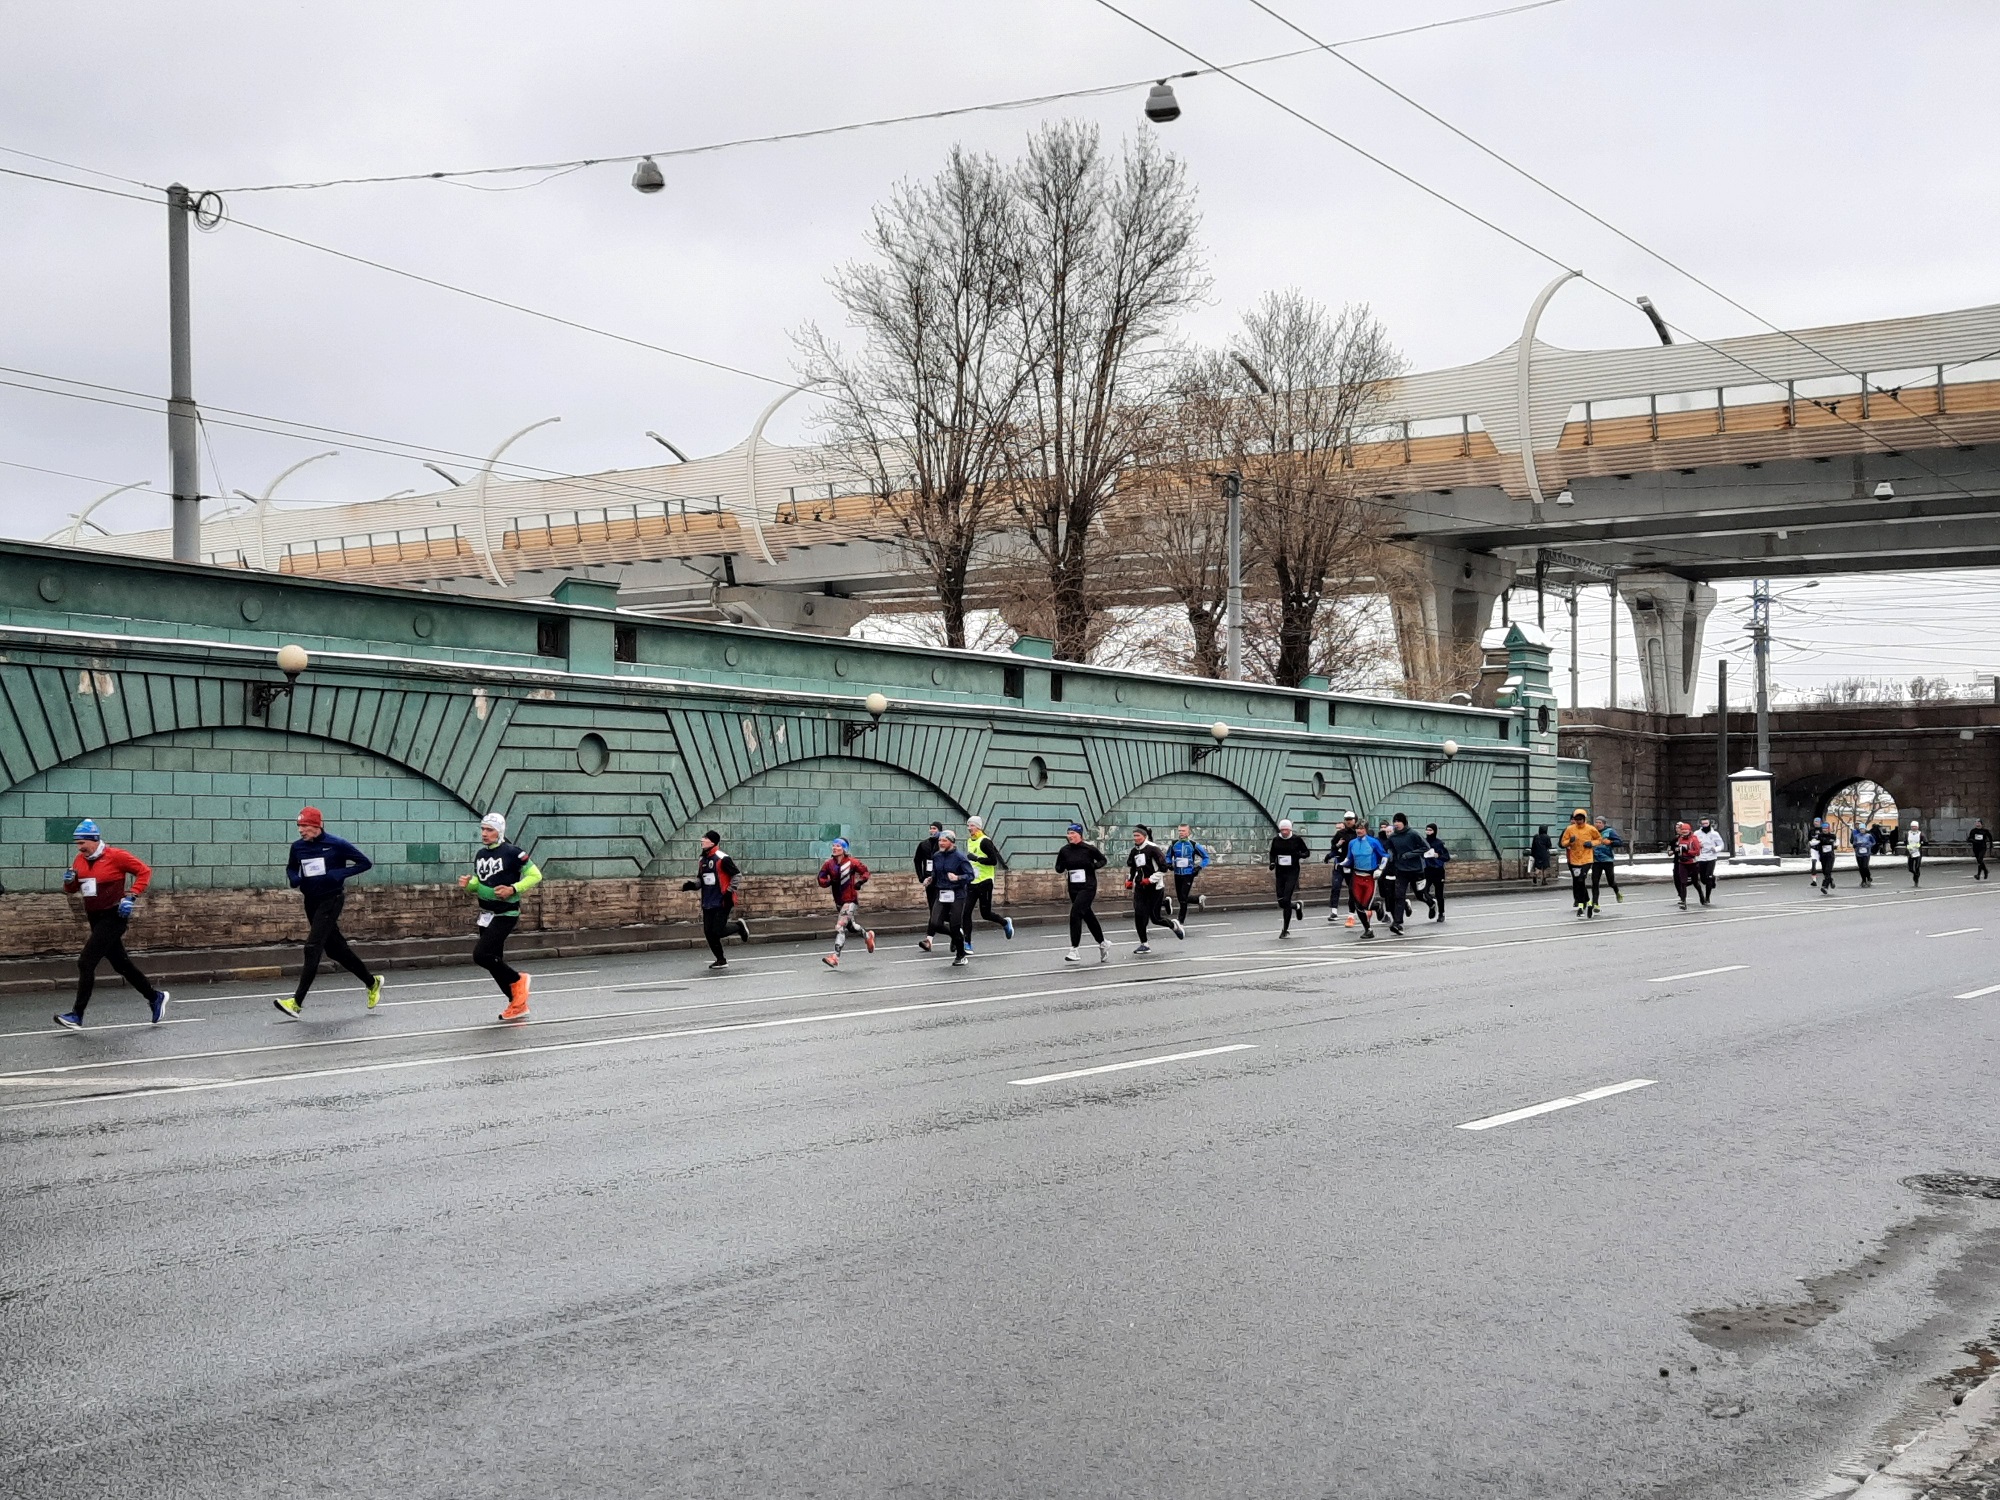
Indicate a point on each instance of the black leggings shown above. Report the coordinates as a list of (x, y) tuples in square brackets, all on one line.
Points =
[(106, 944), (1601, 875), (1081, 916), (1288, 895), (490, 951), (1434, 889), (1579, 883), (1149, 906), (714, 927), (982, 897), (323, 936), (1183, 885)]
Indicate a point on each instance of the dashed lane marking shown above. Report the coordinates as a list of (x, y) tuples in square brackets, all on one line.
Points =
[(1698, 973), (1955, 932), (1137, 1062), (1552, 1105), (1991, 989)]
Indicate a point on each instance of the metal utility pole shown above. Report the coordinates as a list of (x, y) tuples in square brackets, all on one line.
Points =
[(1573, 704), (1722, 748), (1760, 639), (1232, 491), (181, 453), (1614, 644)]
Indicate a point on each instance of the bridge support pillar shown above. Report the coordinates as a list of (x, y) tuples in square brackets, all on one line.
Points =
[(1668, 613), (1441, 614)]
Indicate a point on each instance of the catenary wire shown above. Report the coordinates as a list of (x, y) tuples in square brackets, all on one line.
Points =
[(1029, 102)]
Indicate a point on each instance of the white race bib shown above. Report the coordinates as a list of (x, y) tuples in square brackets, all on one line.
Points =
[(709, 878), (312, 868), (485, 919), (1183, 864), (88, 885), (1284, 859), (946, 897), (1077, 877)]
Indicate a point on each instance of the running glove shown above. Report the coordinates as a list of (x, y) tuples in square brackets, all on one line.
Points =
[(125, 907)]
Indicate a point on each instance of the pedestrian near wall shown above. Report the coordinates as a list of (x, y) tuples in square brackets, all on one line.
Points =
[(501, 874), (1434, 863), (986, 858), (715, 877), (1579, 845), (319, 868), (1146, 879), (1980, 842), (1541, 853), (98, 874), (1078, 862), (843, 876), (954, 874), (1287, 856), (1336, 855), (1913, 853)]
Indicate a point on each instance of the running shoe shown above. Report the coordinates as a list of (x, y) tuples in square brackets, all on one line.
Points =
[(1334, 916), (968, 945), (374, 991), (741, 928), (959, 962), (1201, 903), (869, 939), (289, 1006), (1298, 911), (1368, 932), (70, 1021), (924, 943), (1104, 953), (1071, 958), (1621, 897), (1684, 905), (158, 1004), (720, 963), (1179, 931), (832, 960), (517, 1001), (1143, 948), (1007, 926), (1350, 919)]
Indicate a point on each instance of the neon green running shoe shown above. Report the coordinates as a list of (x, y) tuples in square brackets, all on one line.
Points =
[(289, 1006), (374, 991)]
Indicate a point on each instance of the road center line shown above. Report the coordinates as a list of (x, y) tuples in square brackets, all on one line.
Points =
[(1955, 932), (1991, 989), (1698, 973), (1137, 1062), (1554, 1104)]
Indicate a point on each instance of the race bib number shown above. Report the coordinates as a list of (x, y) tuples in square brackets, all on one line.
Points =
[(1183, 864), (88, 885), (1077, 877), (312, 868), (1284, 859), (485, 919), (709, 878), (945, 898)]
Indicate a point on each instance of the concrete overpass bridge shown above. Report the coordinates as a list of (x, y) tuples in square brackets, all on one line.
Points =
[(1658, 470)]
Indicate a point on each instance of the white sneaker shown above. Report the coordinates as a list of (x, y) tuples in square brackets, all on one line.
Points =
[(924, 943), (1104, 953), (1179, 931), (1071, 958)]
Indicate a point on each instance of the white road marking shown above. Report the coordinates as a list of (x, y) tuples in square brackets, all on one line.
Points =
[(1138, 1062), (1955, 932), (1554, 1104), (1698, 973), (389, 982), (122, 1083), (1991, 989), (115, 1026)]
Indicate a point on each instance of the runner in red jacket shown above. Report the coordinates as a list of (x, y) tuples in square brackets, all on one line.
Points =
[(98, 874), (843, 875)]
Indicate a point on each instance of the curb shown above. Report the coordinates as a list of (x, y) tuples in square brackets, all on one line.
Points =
[(1967, 1439)]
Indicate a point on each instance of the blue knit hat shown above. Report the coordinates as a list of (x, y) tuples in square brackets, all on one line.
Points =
[(86, 830), (838, 844)]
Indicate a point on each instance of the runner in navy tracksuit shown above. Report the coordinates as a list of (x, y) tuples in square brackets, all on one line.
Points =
[(320, 867), (715, 877), (1434, 863), (954, 875), (1187, 859)]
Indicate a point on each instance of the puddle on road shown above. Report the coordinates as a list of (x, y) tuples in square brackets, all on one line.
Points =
[(1755, 1329)]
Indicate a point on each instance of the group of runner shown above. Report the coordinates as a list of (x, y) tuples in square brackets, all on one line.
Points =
[(111, 881)]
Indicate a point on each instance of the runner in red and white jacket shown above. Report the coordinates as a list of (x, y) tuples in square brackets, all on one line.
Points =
[(843, 876), (98, 874)]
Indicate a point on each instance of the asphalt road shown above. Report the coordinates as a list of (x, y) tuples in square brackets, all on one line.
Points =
[(788, 1231)]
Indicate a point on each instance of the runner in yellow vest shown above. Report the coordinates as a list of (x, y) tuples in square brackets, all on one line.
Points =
[(985, 856)]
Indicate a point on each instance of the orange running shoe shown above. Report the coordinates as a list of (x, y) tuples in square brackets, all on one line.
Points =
[(871, 940), (517, 1001)]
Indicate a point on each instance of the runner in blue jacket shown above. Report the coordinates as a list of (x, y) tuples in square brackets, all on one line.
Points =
[(1362, 861), (1186, 859), (953, 874)]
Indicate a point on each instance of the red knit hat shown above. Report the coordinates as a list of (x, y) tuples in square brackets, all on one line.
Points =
[(311, 815)]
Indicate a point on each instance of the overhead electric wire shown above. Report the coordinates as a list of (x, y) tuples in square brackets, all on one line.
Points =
[(1028, 102)]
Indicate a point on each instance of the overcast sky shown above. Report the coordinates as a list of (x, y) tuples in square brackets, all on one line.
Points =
[(1822, 162)]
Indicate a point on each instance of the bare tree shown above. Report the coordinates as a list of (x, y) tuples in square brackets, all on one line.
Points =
[(1178, 534), (1108, 260), (1303, 385), (922, 413)]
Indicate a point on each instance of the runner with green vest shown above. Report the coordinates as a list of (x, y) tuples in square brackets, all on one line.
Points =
[(501, 872), (985, 857)]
